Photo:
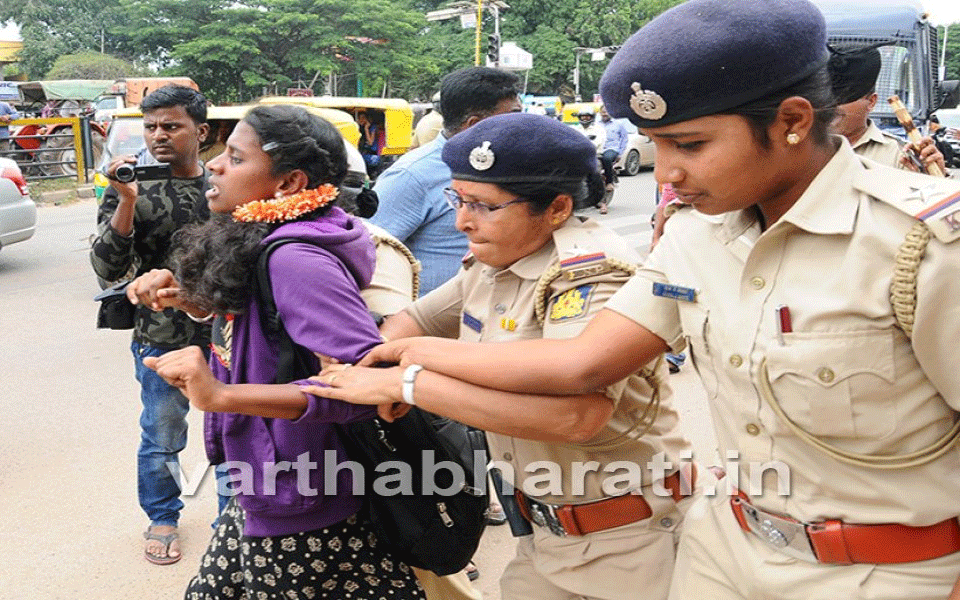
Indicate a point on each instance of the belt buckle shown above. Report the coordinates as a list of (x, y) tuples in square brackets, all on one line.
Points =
[(545, 515), (784, 535)]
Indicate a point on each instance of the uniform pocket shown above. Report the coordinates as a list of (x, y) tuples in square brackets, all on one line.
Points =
[(835, 384)]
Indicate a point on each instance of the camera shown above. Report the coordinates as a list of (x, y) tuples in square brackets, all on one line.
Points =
[(126, 172)]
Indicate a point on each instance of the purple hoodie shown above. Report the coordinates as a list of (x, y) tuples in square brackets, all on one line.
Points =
[(316, 286)]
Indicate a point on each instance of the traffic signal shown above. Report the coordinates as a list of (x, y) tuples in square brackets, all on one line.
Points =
[(493, 47)]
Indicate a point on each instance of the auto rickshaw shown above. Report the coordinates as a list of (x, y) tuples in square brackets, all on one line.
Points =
[(397, 117)]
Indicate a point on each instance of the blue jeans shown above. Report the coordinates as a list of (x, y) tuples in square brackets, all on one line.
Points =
[(163, 434)]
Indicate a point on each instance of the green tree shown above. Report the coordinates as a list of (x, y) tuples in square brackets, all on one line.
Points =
[(240, 49), (952, 59), (91, 65), (51, 29)]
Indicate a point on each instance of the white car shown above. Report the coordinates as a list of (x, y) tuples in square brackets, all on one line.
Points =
[(641, 151), (18, 213)]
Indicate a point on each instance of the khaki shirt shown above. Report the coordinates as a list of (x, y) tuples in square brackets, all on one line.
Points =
[(391, 288), (429, 127), (846, 373), (483, 303), (879, 146)]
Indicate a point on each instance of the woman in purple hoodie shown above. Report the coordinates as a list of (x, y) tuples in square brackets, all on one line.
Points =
[(291, 528)]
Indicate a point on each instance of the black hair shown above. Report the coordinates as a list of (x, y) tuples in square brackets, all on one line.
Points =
[(296, 139), (541, 194), (215, 261), (761, 113), (473, 91), (172, 95)]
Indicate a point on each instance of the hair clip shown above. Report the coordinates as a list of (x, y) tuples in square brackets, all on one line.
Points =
[(270, 146)]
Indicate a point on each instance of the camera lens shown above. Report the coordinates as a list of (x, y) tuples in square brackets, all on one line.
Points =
[(125, 173)]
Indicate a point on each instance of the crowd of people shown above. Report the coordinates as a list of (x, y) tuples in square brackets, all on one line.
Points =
[(808, 278)]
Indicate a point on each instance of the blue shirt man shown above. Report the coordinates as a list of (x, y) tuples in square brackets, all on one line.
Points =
[(614, 147), (7, 114), (412, 207)]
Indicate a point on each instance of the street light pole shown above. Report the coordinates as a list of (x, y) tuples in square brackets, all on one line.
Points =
[(476, 58), (576, 77)]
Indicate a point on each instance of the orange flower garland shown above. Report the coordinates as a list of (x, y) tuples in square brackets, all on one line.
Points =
[(287, 208)]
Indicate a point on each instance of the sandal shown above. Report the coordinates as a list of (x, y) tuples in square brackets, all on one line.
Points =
[(473, 573), (495, 515), (166, 540)]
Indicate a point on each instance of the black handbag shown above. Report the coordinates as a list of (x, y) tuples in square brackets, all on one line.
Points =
[(116, 311)]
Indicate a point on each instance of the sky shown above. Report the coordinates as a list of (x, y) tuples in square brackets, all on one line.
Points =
[(941, 12)]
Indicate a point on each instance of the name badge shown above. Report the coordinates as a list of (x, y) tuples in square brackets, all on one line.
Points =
[(676, 292), (472, 322)]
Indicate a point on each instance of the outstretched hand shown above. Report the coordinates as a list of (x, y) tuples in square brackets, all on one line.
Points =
[(413, 351), (358, 385)]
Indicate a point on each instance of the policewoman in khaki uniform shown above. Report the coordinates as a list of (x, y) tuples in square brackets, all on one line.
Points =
[(817, 292), (600, 474)]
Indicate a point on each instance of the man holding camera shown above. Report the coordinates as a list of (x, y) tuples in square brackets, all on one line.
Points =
[(139, 213)]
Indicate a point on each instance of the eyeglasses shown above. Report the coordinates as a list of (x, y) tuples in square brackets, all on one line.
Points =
[(456, 201)]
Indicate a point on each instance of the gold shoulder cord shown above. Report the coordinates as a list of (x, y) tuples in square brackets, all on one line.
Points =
[(903, 288), (903, 297), (414, 263), (642, 423)]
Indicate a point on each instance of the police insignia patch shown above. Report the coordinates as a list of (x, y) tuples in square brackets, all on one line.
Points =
[(572, 303), (648, 104), (482, 157), (585, 265)]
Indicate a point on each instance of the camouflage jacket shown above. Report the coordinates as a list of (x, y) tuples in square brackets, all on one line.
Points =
[(162, 208)]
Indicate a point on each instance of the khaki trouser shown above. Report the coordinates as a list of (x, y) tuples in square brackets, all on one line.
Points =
[(633, 561), (719, 561), (450, 587)]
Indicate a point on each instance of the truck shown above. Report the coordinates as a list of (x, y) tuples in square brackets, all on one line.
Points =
[(908, 47), (130, 91)]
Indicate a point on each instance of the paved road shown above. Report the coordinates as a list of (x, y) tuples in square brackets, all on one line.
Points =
[(71, 524)]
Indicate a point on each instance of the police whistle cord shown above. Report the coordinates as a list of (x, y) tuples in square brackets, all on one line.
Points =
[(903, 285), (870, 461), (903, 115)]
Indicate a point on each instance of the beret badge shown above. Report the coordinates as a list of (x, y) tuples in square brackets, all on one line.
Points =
[(646, 103), (481, 157)]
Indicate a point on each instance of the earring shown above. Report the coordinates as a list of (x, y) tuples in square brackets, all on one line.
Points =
[(793, 139), (278, 194)]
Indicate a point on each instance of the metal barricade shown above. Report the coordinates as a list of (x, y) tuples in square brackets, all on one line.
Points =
[(44, 149)]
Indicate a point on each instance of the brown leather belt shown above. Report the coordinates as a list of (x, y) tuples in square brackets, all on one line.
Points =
[(839, 543), (581, 519)]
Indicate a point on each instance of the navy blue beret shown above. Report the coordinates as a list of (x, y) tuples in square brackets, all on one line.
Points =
[(520, 147), (854, 72), (704, 57)]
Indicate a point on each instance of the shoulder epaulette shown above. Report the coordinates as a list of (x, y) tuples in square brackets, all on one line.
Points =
[(934, 201), (381, 236), (583, 254)]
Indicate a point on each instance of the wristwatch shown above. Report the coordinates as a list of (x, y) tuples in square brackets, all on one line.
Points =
[(409, 377)]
